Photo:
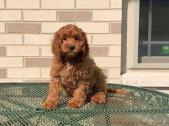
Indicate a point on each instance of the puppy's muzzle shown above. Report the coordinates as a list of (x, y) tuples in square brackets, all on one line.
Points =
[(71, 47)]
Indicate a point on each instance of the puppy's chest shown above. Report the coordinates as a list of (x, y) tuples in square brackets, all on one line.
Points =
[(69, 76)]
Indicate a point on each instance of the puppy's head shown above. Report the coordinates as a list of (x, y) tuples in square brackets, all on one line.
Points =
[(70, 43)]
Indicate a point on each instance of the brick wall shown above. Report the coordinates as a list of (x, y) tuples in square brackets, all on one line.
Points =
[(27, 27)]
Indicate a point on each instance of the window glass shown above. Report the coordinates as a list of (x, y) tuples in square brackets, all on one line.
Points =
[(153, 30)]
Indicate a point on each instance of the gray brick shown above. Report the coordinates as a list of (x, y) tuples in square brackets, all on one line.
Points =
[(37, 62), (23, 28), (115, 28), (2, 51), (3, 73), (99, 51), (75, 15)]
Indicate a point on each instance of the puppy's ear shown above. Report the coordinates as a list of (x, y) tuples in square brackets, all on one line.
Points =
[(85, 48), (56, 45)]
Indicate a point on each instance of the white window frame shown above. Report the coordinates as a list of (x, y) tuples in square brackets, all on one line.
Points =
[(132, 39), (141, 74)]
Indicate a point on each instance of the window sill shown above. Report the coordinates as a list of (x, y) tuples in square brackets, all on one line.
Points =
[(146, 79)]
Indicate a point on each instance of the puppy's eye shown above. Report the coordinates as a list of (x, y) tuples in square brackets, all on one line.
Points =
[(77, 38), (64, 38)]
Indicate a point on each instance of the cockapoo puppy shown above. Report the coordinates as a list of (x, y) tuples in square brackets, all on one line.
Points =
[(74, 70)]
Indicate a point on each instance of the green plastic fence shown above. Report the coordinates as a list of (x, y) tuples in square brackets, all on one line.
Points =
[(20, 105)]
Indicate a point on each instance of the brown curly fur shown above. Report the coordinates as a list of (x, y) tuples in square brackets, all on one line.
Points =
[(74, 70)]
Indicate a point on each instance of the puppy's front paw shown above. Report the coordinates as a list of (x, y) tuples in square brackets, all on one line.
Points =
[(75, 103), (49, 104), (99, 98)]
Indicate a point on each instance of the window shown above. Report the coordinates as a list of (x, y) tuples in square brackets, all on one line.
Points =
[(148, 33)]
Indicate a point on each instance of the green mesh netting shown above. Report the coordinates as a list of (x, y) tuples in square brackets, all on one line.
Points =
[(20, 105)]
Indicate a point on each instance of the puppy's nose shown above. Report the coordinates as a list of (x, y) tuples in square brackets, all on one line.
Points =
[(71, 47)]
